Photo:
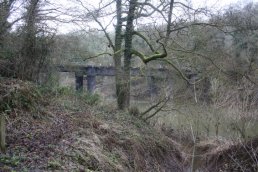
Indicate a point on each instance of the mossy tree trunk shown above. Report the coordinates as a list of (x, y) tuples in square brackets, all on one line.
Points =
[(118, 54), (125, 91)]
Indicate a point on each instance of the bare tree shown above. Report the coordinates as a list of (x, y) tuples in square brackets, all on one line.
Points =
[(36, 40), (127, 15)]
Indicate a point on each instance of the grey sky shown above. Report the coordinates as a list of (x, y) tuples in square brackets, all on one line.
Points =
[(210, 4)]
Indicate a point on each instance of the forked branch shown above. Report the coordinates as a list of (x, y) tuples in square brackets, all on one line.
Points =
[(145, 59)]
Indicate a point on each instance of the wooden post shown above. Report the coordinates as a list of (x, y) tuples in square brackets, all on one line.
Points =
[(2, 133), (79, 81)]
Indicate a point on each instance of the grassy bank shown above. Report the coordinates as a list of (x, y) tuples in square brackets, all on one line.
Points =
[(61, 130)]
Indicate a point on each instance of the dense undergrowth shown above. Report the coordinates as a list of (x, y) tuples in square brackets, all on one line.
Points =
[(57, 129), (52, 129)]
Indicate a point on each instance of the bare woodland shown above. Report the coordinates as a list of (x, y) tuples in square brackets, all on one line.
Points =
[(200, 115)]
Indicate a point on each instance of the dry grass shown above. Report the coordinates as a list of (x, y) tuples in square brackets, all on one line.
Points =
[(67, 134), (228, 156)]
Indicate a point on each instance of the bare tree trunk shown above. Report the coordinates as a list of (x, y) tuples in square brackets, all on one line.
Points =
[(168, 32), (118, 54), (125, 91)]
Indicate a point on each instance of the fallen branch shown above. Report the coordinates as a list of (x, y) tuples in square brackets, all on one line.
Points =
[(158, 110), (152, 107)]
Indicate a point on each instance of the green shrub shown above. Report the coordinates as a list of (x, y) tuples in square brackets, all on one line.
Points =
[(19, 95), (64, 90), (55, 90), (90, 99)]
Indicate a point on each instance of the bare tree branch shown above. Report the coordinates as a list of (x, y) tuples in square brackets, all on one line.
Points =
[(145, 59), (100, 24), (146, 40)]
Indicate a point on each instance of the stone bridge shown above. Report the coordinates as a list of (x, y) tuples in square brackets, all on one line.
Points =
[(92, 71)]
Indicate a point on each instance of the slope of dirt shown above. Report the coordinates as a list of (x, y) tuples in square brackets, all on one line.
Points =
[(242, 156), (218, 156), (63, 133), (58, 130)]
